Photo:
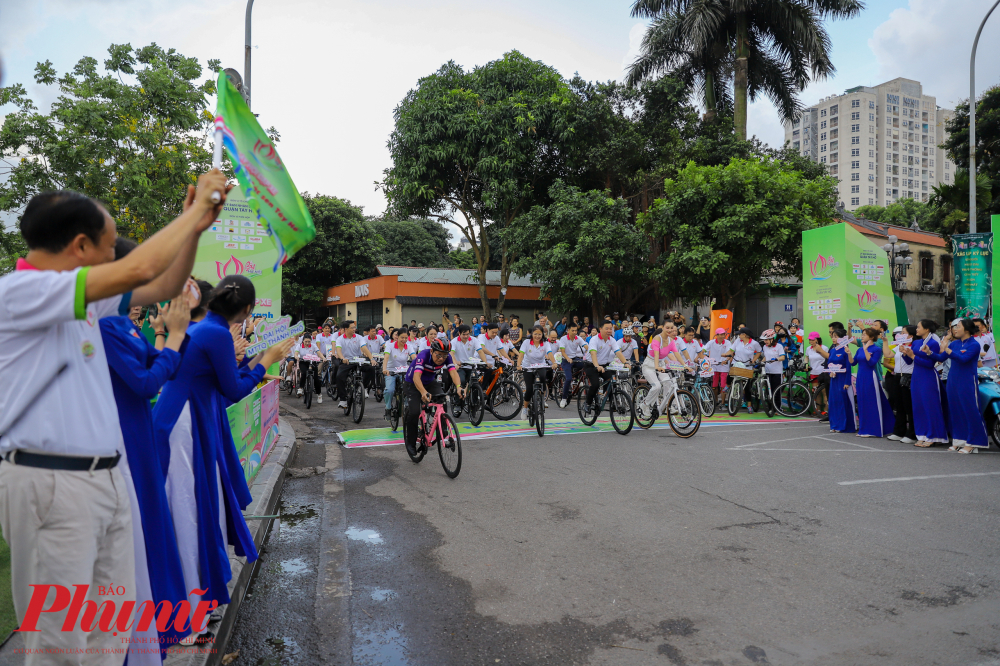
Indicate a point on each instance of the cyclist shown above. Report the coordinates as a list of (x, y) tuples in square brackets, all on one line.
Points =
[(689, 347), (745, 350), (463, 348), (534, 351), (424, 342), (397, 355), (325, 343), (817, 355), (629, 347), (663, 346), (373, 341), (411, 343), (489, 349), (774, 357), (573, 349), (717, 350), (350, 346), (603, 348), (508, 347), (415, 391)]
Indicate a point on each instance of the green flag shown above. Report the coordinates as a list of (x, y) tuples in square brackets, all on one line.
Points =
[(261, 174)]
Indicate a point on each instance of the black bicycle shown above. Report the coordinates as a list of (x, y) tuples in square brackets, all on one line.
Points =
[(378, 384), (308, 381), (475, 398), (396, 402), (356, 390), (536, 409), (611, 394)]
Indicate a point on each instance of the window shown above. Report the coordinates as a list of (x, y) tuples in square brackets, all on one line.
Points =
[(822, 113), (871, 165), (822, 125), (855, 189), (947, 176), (855, 128), (888, 144), (871, 129), (855, 201), (947, 165), (834, 133), (871, 105), (855, 140), (871, 142), (822, 148), (822, 137), (931, 163), (856, 115), (833, 157), (871, 153), (855, 164), (855, 103), (870, 201), (833, 169), (855, 176), (822, 160), (833, 110), (855, 152), (926, 268), (871, 177), (946, 268), (871, 117), (871, 190), (888, 180)]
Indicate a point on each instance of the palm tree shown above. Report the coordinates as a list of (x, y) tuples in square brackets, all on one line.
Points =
[(776, 46)]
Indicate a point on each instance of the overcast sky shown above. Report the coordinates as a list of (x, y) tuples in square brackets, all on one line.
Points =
[(328, 74)]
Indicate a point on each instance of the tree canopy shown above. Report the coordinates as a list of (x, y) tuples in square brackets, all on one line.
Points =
[(987, 155), (414, 242), (132, 136), (725, 228)]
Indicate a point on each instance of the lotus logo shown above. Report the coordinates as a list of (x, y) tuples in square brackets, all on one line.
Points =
[(823, 267), (867, 301), (264, 153), (232, 267)]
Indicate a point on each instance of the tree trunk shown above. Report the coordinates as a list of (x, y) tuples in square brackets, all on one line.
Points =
[(740, 77), (504, 275), (711, 104)]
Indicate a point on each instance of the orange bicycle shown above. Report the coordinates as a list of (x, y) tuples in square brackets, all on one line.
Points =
[(503, 395)]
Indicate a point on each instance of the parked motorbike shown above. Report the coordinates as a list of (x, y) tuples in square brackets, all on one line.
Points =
[(989, 401)]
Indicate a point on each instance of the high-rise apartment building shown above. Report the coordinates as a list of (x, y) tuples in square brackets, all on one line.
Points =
[(881, 142)]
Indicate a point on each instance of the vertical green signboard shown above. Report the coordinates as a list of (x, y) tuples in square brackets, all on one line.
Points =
[(973, 254), (238, 244), (846, 279)]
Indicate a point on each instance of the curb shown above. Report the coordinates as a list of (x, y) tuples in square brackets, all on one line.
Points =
[(266, 490)]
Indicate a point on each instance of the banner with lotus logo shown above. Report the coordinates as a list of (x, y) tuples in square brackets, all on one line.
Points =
[(973, 255), (845, 279)]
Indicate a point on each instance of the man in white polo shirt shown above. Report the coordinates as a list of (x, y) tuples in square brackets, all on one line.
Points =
[(64, 506)]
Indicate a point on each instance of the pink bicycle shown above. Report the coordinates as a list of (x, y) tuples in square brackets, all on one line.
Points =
[(437, 427)]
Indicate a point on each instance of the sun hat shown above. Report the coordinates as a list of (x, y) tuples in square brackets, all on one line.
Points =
[(813, 335), (720, 331)]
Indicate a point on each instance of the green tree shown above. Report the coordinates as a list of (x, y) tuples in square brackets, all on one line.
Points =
[(987, 154), (346, 248), (583, 249), (476, 149), (725, 228), (415, 242), (775, 46), (900, 213), (12, 248), (133, 135), (950, 202), (463, 259)]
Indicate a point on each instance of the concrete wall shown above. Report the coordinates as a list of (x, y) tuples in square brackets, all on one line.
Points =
[(924, 305)]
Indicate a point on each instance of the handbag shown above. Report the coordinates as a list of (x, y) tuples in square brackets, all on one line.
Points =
[(904, 379)]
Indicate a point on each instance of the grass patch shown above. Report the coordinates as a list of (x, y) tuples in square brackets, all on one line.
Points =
[(8, 619)]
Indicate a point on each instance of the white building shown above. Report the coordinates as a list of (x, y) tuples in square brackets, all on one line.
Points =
[(881, 142)]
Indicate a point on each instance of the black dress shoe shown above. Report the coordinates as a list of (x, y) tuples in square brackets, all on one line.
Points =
[(824, 418)]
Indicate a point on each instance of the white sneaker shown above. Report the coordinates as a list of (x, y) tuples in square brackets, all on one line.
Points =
[(319, 399), (907, 440), (366, 395), (343, 403), (300, 392), (894, 438), (562, 404), (524, 414)]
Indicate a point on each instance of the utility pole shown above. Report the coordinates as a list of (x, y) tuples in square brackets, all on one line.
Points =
[(972, 123), (247, 47)]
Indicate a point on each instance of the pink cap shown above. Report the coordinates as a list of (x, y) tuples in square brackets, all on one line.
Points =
[(813, 335), (720, 331)]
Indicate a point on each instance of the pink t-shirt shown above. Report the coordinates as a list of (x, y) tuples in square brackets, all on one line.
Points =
[(655, 346)]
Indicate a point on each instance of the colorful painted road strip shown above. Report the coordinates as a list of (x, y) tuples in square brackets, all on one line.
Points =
[(495, 429)]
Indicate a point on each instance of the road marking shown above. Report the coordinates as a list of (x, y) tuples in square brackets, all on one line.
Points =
[(838, 441), (776, 441), (916, 478), (863, 450)]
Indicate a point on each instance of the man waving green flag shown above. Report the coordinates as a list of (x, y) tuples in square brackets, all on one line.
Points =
[(261, 174)]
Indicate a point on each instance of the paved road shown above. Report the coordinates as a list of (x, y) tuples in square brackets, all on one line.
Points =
[(742, 545)]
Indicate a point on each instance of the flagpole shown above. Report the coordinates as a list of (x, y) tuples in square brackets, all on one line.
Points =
[(217, 161)]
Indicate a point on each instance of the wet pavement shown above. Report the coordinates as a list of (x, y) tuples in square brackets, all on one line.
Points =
[(768, 545)]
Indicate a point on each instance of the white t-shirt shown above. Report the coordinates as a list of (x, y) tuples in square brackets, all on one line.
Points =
[(687, 349), (326, 344), (350, 346), (374, 346), (396, 358), (627, 347), (990, 357), (490, 345), (715, 351), (45, 322), (463, 351), (772, 365), (605, 349), (534, 354), (745, 352), (302, 350), (412, 347), (816, 360), (900, 366), (575, 348)]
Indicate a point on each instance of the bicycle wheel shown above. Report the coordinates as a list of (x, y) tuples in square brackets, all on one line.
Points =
[(290, 383), (358, 403), (475, 401), (379, 386), (449, 446), (735, 396), (767, 400), (538, 407), (308, 393), (683, 413), (331, 384), (818, 396), (620, 410), (506, 400), (581, 407), (754, 402), (395, 409), (639, 396), (707, 400), (793, 399)]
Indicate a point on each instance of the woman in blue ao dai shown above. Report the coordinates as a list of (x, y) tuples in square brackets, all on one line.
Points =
[(205, 483), (925, 387), (841, 398), (875, 417), (968, 431)]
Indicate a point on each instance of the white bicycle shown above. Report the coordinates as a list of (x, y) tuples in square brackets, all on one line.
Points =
[(680, 406)]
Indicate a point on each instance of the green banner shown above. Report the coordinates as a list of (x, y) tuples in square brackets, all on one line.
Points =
[(262, 175), (236, 245), (845, 278), (254, 424), (973, 254)]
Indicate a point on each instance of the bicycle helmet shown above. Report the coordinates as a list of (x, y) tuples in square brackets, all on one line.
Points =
[(440, 345), (627, 330), (767, 335)]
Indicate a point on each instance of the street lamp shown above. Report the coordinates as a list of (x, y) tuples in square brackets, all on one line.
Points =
[(899, 261), (972, 123)]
